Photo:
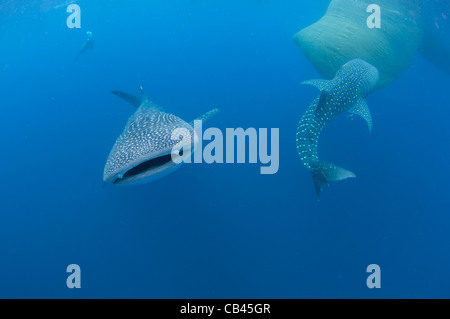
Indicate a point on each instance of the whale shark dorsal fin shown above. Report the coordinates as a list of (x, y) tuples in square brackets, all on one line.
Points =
[(360, 108), (320, 84), (205, 116), (149, 103), (144, 96), (132, 99)]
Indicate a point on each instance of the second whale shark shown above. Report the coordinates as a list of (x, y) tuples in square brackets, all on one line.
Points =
[(143, 152), (345, 92)]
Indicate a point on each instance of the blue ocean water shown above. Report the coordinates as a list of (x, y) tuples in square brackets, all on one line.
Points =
[(210, 231)]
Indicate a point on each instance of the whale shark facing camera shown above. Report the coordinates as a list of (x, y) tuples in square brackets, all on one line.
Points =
[(146, 148)]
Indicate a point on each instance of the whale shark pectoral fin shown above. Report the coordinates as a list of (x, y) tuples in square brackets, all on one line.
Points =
[(435, 51), (205, 116), (360, 108), (320, 84), (133, 100), (324, 173), (136, 101)]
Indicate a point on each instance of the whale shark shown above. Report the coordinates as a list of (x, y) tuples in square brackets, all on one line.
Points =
[(345, 92), (143, 152), (407, 27)]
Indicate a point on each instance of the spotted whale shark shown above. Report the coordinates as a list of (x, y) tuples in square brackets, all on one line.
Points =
[(345, 92), (143, 152)]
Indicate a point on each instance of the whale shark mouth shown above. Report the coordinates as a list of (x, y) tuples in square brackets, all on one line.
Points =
[(148, 168)]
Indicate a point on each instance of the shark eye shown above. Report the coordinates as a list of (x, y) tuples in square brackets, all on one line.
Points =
[(181, 152)]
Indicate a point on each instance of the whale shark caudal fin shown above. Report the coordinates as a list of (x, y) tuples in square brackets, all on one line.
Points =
[(320, 84), (324, 173), (205, 116), (136, 101), (360, 108)]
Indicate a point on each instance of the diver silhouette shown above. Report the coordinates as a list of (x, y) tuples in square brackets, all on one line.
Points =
[(88, 44)]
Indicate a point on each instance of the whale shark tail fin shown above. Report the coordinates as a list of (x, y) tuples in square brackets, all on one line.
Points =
[(324, 173)]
